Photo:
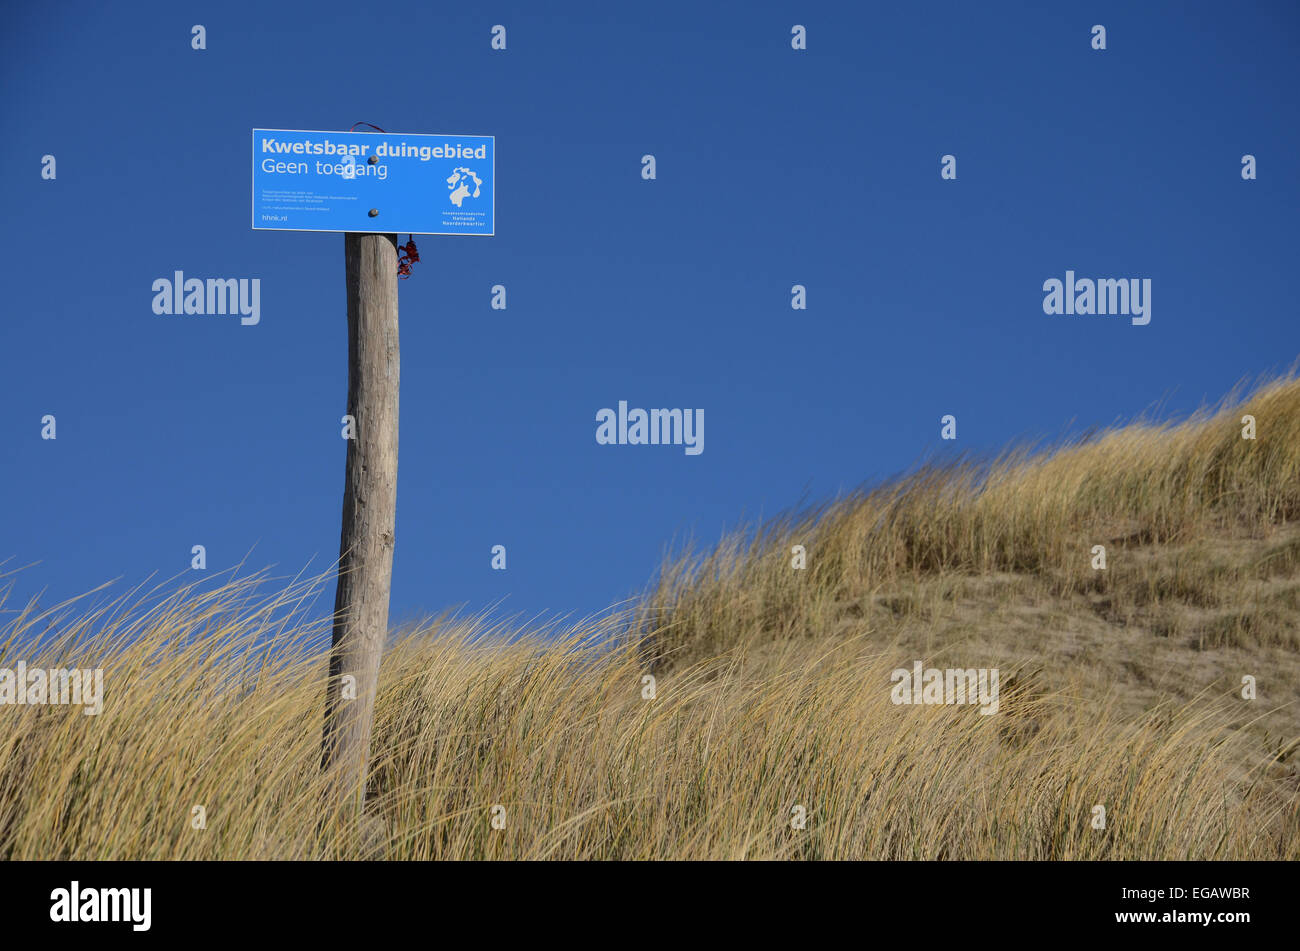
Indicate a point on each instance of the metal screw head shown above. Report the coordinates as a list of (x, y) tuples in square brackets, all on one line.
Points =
[(374, 212), (372, 160)]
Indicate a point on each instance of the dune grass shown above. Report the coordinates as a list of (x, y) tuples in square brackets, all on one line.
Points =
[(1121, 688), (1142, 486)]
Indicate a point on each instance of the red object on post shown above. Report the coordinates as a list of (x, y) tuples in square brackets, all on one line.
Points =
[(406, 256)]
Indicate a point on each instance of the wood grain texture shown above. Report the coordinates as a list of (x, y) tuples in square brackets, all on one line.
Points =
[(369, 510)]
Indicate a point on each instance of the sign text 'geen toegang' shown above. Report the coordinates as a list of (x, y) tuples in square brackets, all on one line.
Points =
[(373, 182)]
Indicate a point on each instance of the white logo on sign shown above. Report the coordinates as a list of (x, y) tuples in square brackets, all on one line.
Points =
[(458, 183)]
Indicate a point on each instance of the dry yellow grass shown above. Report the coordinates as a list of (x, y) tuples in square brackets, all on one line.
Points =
[(1120, 688)]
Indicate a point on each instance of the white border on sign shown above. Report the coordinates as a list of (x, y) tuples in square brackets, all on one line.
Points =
[(252, 204)]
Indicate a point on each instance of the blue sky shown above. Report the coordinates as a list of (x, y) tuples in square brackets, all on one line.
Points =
[(775, 167)]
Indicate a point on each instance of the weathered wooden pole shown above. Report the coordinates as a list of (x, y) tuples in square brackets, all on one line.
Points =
[(369, 514)]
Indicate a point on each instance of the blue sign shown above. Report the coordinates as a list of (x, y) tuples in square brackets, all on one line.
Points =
[(373, 181)]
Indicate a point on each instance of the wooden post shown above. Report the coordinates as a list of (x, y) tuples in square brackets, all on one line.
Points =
[(369, 514)]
